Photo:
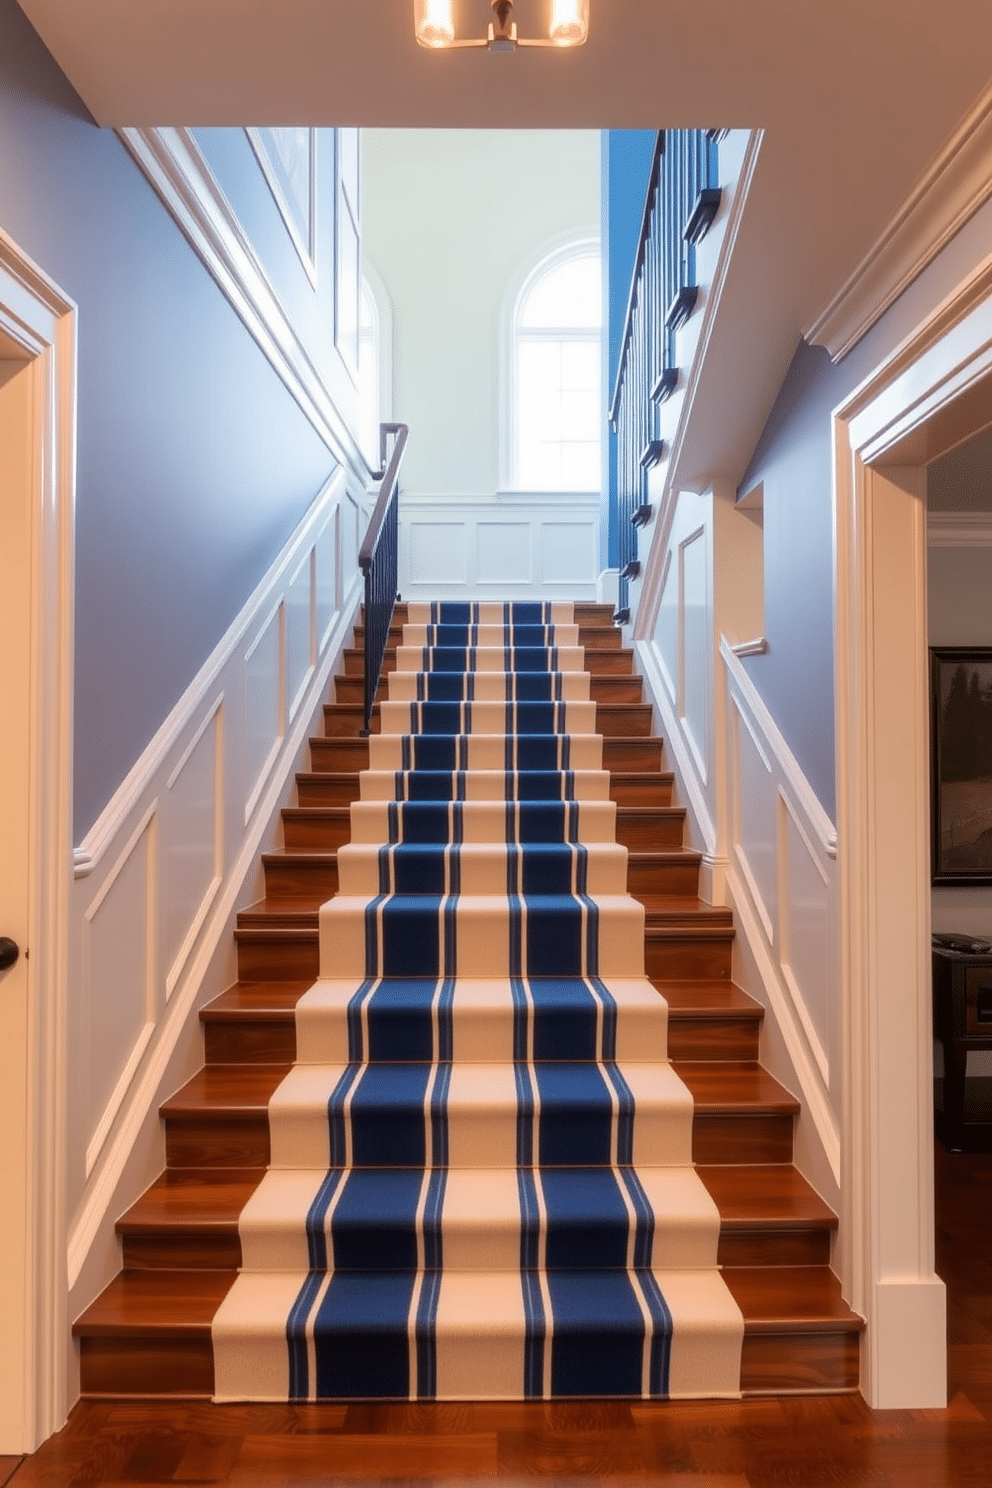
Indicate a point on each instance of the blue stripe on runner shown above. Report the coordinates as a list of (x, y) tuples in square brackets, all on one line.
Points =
[(661, 1336), (400, 1020), (625, 1115), (337, 1142), (534, 1336), (608, 1049), (387, 1116), (530, 1220), (426, 1336), (356, 1034), (296, 1336), (598, 1334), (644, 1225), (374, 1225), (316, 1220), (576, 1120), (525, 1115), (361, 1336), (587, 1220), (445, 1019), (566, 1019)]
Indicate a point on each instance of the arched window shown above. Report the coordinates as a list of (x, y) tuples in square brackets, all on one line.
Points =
[(557, 405)]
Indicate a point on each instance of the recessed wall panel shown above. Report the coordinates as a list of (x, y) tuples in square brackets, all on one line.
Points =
[(438, 552), (696, 656), (118, 931), (325, 578), (568, 552), (264, 712), (806, 951), (191, 867), (503, 552), (755, 805), (299, 632)]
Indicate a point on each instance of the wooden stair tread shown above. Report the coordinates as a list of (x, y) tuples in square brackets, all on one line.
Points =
[(801, 1299), (664, 855), (704, 999), (182, 1198), (765, 1194), (176, 1303), (238, 1091), (729, 1087), (254, 1000)]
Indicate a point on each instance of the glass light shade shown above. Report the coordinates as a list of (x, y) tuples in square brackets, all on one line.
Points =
[(434, 23), (569, 22)]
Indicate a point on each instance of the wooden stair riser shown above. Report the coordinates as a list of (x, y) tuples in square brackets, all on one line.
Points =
[(138, 1368), (668, 955), (774, 1247), (730, 1038), (604, 690), (613, 719), (215, 1139), (592, 637), (293, 875), (796, 1363), (627, 788), (343, 749), (599, 662), (738, 1137), (266, 956)]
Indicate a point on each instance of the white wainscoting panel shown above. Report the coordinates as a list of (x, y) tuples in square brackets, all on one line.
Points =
[(119, 992), (161, 873), (196, 846), (753, 799), (437, 554), (300, 602), (667, 630), (265, 694), (504, 555), (695, 663), (568, 552), (510, 545), (782, 884), (804, 931)]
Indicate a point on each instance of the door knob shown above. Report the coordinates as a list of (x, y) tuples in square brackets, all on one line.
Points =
[(9, 952)]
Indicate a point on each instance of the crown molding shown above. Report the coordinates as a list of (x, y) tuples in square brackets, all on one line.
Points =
[(959, 529), (953, 189)]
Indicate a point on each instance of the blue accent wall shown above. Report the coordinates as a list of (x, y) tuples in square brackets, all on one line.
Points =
[(626, 164), (194, 463)]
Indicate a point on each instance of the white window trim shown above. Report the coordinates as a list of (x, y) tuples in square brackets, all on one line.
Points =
[(382, 334), (576, 243)]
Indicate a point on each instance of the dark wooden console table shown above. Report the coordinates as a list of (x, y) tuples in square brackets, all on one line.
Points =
[(962, 1021)]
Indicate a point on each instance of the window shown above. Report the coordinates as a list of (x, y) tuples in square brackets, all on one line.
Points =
[(557, 407)]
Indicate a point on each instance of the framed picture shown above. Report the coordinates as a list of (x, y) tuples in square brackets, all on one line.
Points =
[(961, 763)]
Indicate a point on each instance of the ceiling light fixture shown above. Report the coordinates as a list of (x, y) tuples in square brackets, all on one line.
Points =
[(434, 23)]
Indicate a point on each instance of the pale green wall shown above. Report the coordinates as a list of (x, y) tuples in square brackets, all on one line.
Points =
[(449, 217)]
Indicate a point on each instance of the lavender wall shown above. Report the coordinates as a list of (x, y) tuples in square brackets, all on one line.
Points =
[(194, 463)]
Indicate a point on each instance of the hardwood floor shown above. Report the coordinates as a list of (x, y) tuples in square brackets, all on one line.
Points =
[(811, 1442)]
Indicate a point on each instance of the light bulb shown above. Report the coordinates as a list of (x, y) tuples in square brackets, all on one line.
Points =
[(569, 22), (434, 23)]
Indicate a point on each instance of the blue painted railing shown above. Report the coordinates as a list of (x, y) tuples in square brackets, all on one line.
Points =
[(682, 199)]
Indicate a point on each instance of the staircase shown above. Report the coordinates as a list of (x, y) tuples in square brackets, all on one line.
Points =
[(149, 1332)]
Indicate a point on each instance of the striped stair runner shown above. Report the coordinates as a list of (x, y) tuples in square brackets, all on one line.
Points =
[(481, 1184)]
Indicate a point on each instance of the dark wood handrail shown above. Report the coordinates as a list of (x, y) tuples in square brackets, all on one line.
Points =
[(388, 474)]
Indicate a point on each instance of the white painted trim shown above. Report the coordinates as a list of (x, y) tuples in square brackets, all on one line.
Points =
[(179, 173), (882, 699), (952, 189), (306, 250), (650, 666), (799, 789), (756, 647), (959, 529), (42, 320), (136, 1099)]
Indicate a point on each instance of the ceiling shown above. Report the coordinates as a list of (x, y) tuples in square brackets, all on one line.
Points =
[(856, 98)]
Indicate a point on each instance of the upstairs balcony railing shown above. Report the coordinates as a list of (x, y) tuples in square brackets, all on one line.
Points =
[(682, 200), (378, 560)]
